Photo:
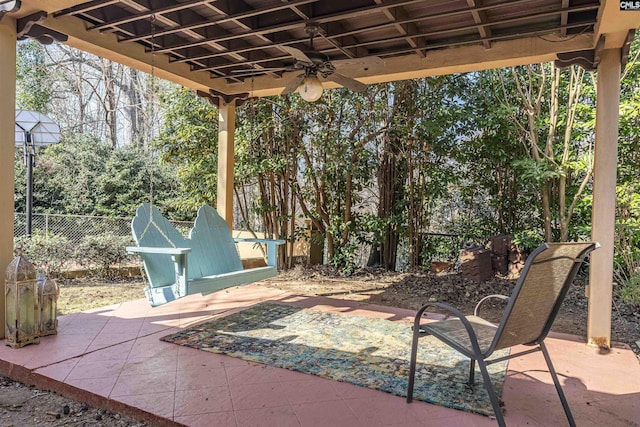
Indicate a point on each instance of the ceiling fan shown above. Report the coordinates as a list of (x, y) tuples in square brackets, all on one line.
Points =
[(315, 64)]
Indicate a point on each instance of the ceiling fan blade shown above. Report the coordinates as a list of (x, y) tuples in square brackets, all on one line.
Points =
[(293, 84), (297, 54), (347, 82), (365, 62)]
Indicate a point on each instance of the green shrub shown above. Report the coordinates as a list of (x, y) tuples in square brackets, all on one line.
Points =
[(630, 290), (49, 253), (344, 259), (103, 252), (439, 248), (527, 240), (627, 243)]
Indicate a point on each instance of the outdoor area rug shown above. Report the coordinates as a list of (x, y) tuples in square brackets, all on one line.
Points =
[(372, 353)]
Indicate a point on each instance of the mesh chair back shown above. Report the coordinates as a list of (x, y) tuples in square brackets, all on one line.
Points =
[(537, 297)]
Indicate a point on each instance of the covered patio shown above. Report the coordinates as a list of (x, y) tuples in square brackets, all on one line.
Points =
[(236, 50), (231, 51), (113, 358)]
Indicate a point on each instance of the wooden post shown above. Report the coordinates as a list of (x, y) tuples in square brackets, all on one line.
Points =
[(604, 199), (226, 135), (7, 146)]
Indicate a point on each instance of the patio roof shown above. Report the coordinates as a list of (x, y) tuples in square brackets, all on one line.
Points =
[(229, 50), (236, 47)]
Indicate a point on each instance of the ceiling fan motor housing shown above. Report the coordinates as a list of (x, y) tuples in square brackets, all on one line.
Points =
[(316, 57)]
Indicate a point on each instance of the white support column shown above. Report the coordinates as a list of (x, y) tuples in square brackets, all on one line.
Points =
[(604, 198), (226, 136), (7, 147)]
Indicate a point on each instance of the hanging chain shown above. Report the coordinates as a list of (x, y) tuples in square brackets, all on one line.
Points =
[(151, 106), (252, 115), (153, 75)]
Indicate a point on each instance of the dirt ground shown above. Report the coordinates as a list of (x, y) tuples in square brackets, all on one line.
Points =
[(412, 290), (24, 406), (21, 405)]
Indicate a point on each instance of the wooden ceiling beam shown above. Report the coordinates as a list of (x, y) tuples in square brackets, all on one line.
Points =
[(247, 49), (113, 24), (331, 33), (171, 23), (211, 22), (513, 32), (461, 59), (151, 42), (331, 18), (398, 14), (239, 22), (412, 50), (480, 17), (433, 46), (502, 37), (615, 24), (133, 55), (85, 7), (252, 65), (282, 27), (564, 18)]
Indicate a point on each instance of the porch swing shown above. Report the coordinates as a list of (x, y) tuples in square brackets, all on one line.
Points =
[(205, 262)]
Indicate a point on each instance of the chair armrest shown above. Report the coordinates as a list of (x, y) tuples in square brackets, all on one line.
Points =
[(272, 246), (159, 251), (457, 313), (477, 309)]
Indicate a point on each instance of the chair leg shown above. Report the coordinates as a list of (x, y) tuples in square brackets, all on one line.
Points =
[(472, 373), (492, 393), (556, 382), (412, 365)]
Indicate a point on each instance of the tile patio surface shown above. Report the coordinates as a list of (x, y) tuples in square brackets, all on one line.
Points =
[(113, 358)]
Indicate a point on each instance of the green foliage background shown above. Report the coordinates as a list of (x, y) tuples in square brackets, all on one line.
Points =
[(372, 170)]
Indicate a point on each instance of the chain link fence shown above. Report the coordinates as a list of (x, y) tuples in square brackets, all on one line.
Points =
[(76, 227)]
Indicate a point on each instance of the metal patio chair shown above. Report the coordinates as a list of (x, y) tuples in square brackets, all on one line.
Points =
[(530, 311)]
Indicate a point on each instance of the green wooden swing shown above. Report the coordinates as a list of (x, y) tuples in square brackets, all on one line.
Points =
[(206, 262)]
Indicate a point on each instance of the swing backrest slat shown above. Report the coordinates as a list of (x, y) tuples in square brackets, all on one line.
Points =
[(151, 229), (213, 248)]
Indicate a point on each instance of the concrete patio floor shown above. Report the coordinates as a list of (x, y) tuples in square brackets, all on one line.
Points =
[(113, 358)]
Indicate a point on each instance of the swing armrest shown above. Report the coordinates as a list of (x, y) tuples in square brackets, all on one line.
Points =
[(159, 251), (272, 246), (180, 279), (252, 240)]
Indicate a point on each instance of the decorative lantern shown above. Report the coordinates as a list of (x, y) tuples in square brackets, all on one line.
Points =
[(48, 293), (22, 316)]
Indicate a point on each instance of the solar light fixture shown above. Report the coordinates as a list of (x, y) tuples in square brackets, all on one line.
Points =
[(33, 130)]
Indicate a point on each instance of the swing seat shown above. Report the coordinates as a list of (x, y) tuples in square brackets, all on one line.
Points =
[(206, 262)]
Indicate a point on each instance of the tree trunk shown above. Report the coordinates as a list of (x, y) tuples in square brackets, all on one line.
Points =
[(393, 171), (110, 103), (390, 192), (82, 103), (546, 212), (135, 108)]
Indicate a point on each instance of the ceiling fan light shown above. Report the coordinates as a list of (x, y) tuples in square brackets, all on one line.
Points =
[(311, 89)]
